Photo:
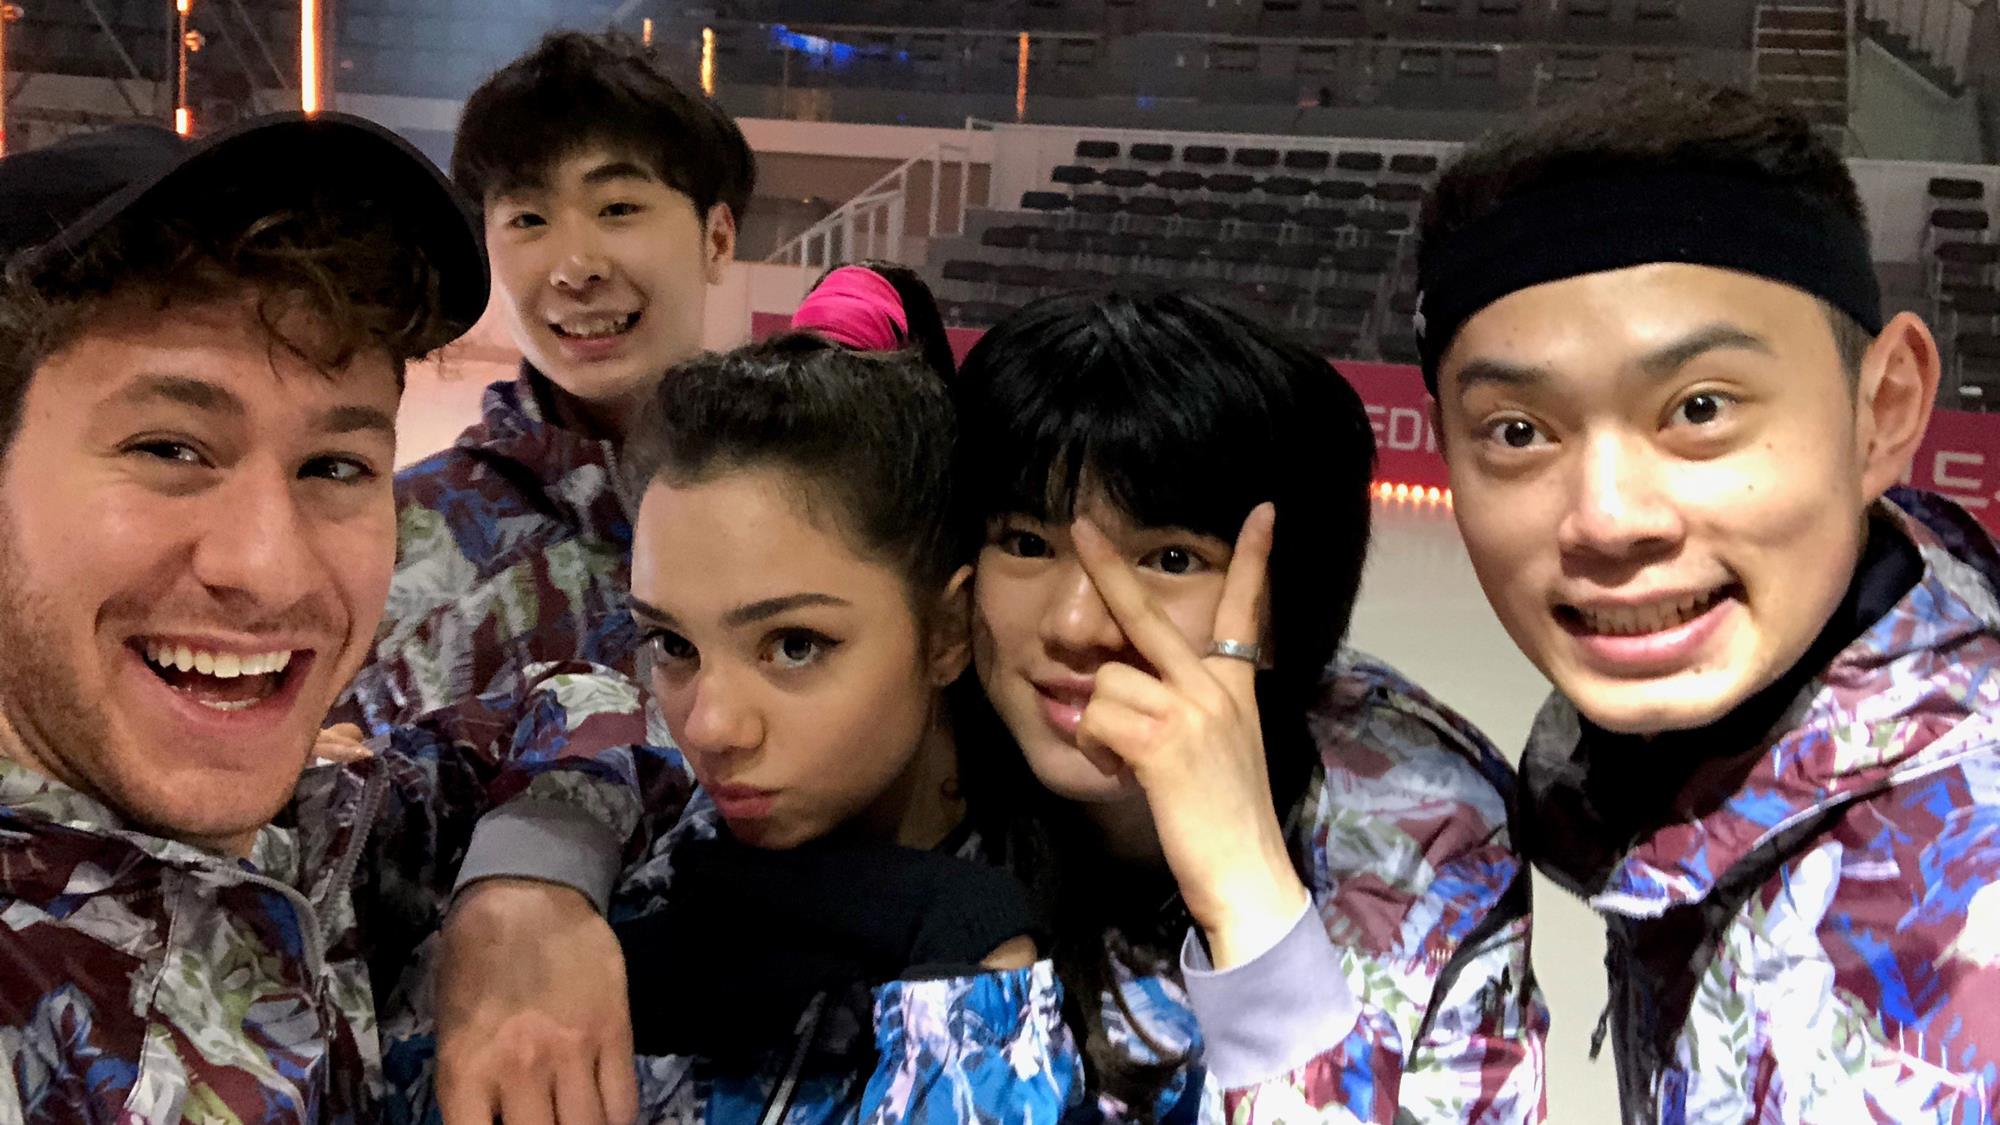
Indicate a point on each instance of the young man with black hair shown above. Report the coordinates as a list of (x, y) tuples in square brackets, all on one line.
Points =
[(1675, 418), (201, 354), (610, 198)]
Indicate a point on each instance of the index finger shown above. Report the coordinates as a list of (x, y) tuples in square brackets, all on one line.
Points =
[(1239, 616), (1149, 630)]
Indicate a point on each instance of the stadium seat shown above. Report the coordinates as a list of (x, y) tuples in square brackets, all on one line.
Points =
[(1362, 259), (1265, 213), (1097, 150), (1078, 279), (1287, 187), (1097, 203), (1022, 276), (1152, 206), (1075, 175), (968, 270), (983, 313), (1398, 191), (1308, 160), (1146, 152), (1386, 222), (1180, 179), (1340, 191), (1956, 190), (1125, 178), (1179, 248), (1356, 160), (1007, 237), (1207, 211), (1275, 294), (1960, 219), (1335, 343), (1301, 256), (1968, 253), (1399, 347), (1413, 164), (1340, 297), (1972, 302), (1123, 244), (1231, 183), (1256, 158), (1324, 220), (1204, 154), (1241, 252), (1044, 201)]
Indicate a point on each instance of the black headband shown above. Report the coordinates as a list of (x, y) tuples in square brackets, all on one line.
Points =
[(1613, 222)]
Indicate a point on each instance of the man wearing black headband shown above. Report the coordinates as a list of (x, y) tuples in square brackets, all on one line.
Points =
[(1675, 419)]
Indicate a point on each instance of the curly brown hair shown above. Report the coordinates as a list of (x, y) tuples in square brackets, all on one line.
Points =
[(353, 266)]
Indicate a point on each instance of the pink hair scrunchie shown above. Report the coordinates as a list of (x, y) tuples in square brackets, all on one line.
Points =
[(857, 307)]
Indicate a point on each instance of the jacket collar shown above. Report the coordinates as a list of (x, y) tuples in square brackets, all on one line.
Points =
[(577, 473), (31, 800), (1893, 704)]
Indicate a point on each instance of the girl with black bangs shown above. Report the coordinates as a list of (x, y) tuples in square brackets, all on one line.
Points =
[(1279, 873)]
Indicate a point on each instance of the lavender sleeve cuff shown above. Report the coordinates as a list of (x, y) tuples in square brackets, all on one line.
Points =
[(1274, 1013), (550, 841)]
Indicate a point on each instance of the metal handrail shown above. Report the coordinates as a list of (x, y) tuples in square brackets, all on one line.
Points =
[(880, 212)]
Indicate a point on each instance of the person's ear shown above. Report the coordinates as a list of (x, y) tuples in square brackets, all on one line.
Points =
[(950, 641), (718, 232), (1894, 393)]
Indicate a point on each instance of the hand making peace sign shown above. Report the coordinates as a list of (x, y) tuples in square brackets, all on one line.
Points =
[(1189, 733)]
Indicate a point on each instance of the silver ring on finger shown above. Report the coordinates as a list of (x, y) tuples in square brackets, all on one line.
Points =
[(1236, 650)]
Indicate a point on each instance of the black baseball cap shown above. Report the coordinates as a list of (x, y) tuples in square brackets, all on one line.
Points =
[(54, 199)]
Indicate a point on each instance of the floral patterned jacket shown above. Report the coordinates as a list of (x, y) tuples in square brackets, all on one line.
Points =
[(1405, 994), (1824, 945), (514, 548), (147, 982)]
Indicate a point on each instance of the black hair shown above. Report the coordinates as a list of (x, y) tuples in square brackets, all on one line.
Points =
[(920, 311), (574, 91), (1188, 414), (1654, 126), (870, 436)]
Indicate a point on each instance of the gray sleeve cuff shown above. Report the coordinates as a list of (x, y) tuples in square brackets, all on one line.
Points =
[(1274, 1013), (551, 841)]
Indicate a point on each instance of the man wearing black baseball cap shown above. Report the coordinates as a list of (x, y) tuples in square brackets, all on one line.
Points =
[(201, 354)]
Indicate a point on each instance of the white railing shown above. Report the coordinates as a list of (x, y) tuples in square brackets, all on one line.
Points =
[(1941, 29), (875, 222)]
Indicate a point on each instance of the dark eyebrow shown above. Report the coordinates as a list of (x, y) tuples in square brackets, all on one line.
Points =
[(1498, 371), (771, 607), (197, 393), (742, 615), (1664, 361), (356, 419), (617, 170), (646, 611)]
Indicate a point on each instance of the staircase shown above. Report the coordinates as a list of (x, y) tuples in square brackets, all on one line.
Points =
[(1800, 56)]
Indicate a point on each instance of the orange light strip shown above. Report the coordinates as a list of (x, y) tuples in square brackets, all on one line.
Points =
[(707, 60), (646, 32), (182, 120), (3, 77), (1401, 493), (309, 55), (1021, 81)]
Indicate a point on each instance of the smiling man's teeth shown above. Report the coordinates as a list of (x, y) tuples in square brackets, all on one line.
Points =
[(1630, 621), (597, 327), (221, 665)]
